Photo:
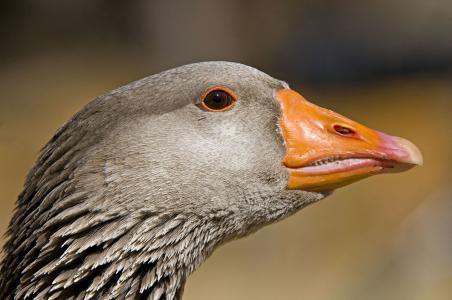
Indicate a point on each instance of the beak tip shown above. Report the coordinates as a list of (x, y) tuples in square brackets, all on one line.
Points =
[(402, 150), (412, 153), (416, 157)]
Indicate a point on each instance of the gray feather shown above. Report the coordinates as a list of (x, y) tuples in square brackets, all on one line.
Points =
[(134, 192)]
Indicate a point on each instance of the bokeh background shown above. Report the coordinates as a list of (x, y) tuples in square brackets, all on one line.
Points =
[(387, 64)]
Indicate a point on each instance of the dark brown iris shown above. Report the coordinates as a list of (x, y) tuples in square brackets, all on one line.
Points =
[(218, 99)]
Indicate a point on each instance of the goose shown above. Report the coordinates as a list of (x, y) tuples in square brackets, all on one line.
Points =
[(138, 188)]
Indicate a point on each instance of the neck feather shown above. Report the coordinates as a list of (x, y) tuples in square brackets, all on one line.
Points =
[(146, 256)]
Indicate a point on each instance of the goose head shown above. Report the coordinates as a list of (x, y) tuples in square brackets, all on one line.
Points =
[(135, 191)]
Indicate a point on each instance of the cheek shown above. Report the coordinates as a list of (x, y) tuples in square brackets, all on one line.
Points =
[(234, 147), (244, 141)]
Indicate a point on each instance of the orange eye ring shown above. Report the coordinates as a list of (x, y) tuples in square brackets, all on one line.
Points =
[(218, 99)]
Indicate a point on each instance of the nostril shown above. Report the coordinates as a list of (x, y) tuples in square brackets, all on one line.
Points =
[(342, 130)]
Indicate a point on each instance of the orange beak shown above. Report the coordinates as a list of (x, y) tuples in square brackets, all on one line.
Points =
[(326, 150)]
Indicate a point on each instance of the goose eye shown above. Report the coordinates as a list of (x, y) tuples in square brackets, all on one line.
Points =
[(218, 99)]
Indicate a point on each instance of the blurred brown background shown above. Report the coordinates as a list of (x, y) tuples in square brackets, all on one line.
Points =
[(387, 64)]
